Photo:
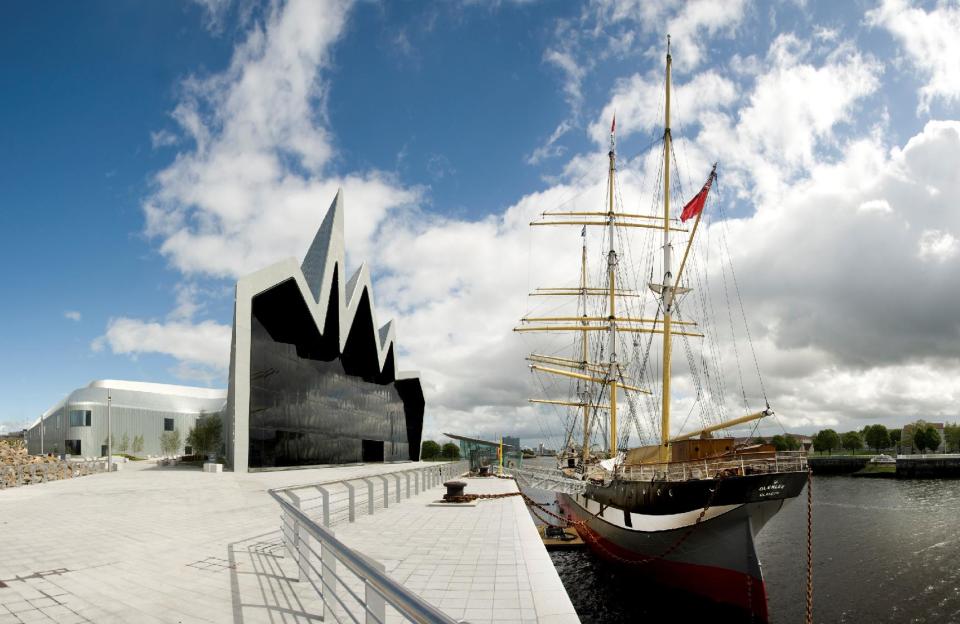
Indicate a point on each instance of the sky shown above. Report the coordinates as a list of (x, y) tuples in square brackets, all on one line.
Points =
[(152, 153)]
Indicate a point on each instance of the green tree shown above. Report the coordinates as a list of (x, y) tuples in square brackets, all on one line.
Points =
[(170, 442), (826, 440), (137, 444), (792, 443), (951, 434), (779, 442), (877, 437), (429, 450), (206, 434), (895, 437), (851, 441), (908, 433), (926, 438), (450, 451), (758, 441), (124, 442)]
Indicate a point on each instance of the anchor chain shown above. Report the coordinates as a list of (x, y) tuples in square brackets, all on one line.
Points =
[(809, 614)]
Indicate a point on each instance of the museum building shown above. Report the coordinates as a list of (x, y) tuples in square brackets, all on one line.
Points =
[(138, 413), (313, 378)]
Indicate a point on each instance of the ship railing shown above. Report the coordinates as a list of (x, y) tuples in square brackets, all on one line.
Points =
[(740, 465), (27, 474), (548, 479), (350, 586)]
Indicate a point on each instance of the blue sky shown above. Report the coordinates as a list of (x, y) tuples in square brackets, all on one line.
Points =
[(128, 128)]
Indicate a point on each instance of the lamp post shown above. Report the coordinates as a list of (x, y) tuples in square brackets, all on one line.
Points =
[(109, 435)]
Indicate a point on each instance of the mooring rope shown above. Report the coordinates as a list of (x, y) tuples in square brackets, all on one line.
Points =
[(809, 618)]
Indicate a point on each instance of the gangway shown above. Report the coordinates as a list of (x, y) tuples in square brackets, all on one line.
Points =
[(548, 479)]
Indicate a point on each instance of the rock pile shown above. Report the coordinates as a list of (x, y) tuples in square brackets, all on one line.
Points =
[(18, 467)]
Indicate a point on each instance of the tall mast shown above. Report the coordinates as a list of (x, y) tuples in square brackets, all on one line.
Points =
[(611, 268), (666, 293), (584, 347)]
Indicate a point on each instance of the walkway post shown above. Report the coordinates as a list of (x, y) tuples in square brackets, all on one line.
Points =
[(109, 435)]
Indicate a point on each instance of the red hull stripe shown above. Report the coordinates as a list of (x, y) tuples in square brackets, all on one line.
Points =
[(717, 584)]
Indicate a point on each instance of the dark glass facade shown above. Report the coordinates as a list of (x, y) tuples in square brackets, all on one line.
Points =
[(310, 404)]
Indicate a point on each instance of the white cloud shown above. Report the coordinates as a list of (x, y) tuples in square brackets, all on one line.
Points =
[(876, 205), (253, 186), (638, 102), (72, 315), (791, 113), (847, 320), (936, 245), (163, 138), (550, 149), (573, 74), (930, 41), (214, 12), (206, 343), (691, 25)]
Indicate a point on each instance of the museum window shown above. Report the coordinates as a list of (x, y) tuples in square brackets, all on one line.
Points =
[(80, 418), (71, 447), (168, 424)]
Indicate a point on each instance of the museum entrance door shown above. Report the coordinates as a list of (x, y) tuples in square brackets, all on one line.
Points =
[(373, 450)]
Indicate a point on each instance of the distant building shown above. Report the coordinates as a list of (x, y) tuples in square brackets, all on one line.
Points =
[(544, 451), (907, 434), (78, 425), (14, 435), (511, 441), (486, 452)]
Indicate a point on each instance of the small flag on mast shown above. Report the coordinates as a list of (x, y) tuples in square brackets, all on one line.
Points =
[(613, 126), (695, 205), (583, 231)]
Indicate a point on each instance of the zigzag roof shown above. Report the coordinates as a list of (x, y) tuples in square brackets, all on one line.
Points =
[(325, 260)]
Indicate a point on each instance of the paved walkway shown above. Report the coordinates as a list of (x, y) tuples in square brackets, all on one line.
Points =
[(151, 544), (481, 564)]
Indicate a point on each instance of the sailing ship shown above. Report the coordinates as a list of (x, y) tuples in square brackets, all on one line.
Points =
[(682, 508)]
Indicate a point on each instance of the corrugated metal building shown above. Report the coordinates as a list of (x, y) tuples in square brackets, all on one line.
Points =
[(78, 424)]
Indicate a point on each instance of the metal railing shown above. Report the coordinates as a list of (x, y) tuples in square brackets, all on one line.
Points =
[(27, 474), (741, 465), (335, 502), (301, 534), (308, 511)]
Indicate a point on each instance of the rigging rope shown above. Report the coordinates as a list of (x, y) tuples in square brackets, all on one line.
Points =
[(746, 325)]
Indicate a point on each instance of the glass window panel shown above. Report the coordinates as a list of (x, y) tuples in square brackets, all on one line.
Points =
[(307, 411)]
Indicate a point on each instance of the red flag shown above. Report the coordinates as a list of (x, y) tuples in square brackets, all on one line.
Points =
[(613, 126), (695, 205)]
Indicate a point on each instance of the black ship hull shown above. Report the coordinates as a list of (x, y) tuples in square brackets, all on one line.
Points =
[(652, 527)]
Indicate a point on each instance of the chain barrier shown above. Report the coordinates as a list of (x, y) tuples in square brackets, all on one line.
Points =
[(809, 615)]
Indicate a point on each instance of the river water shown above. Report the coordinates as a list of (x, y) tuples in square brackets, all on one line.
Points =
[(885, 550)]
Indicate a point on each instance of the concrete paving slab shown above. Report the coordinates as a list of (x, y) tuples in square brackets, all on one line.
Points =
[(156, 544)]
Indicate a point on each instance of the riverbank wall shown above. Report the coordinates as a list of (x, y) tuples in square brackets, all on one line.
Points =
[(928, 466), (839, 464)]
